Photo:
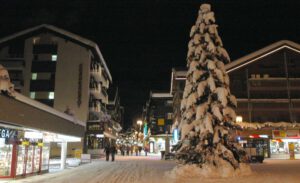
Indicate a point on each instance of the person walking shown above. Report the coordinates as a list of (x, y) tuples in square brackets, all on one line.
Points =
[(107, 151), (113, 151)]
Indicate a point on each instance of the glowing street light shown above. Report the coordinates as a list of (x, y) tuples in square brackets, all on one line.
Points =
[(140, 122), (239, 119)]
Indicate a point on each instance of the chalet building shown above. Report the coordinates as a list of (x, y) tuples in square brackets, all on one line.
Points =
[(59, 69), (266, 85)]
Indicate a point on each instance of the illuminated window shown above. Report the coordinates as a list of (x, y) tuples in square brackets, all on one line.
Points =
[(32, 95), (34, 76), (51, 95), (54, 58)]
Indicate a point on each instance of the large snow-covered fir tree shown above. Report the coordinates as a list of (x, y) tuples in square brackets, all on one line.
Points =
[(207, 106)]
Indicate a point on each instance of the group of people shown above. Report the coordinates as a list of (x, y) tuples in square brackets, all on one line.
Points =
[(128, 150)]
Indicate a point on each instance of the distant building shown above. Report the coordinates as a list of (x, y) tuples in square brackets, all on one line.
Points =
[(158, 114), (62, 70)]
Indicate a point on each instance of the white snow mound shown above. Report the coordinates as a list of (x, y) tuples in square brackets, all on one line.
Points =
[(183, 172)]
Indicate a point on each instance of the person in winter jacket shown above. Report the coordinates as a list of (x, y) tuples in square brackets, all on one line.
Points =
[(107, 151), (113, 151)]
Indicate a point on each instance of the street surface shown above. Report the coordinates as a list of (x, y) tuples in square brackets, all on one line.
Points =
[(150, 169)]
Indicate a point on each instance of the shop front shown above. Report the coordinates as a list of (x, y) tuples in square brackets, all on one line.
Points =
[(97, 134), (21, 153), (25, 127), (285, 144)]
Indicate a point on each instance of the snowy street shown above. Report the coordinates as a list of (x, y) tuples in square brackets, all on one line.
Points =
[(151, 169)]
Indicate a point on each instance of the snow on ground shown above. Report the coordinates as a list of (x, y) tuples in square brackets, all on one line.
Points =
[(150, 169)]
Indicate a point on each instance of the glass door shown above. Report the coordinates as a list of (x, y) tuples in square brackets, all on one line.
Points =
[(5, 158)]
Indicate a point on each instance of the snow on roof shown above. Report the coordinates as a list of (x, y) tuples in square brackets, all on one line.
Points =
[(252, 57), (76, 37)]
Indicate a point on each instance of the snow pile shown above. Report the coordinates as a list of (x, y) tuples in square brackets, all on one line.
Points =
[(193, 171)]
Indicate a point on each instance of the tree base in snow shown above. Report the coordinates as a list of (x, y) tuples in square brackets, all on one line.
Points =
[(224, 170)]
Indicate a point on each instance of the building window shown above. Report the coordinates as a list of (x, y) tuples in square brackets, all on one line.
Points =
[(34, 76), (54, 58), (169, 115), (51, 95), (32, 95)]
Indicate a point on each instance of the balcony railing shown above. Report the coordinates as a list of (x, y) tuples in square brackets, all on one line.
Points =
[(96, 71)]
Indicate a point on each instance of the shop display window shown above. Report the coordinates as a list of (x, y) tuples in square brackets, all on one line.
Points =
[(5, 158), (45, 156), (21, 160), (37, 159), (30, 159)]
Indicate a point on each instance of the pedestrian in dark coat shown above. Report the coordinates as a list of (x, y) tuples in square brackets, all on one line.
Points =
[(107, 151), (113, 151)]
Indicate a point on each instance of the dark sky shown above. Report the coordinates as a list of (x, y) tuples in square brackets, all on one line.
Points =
[(141, 40)]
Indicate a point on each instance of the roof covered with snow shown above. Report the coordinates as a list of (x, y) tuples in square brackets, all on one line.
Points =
[(63, 33), (252, 57)]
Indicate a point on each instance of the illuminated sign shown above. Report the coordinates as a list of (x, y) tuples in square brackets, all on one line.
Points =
[(258, 136), (161, 122), (4, 133), (145, 130), (175, 135), (25, 143), (33, 135)]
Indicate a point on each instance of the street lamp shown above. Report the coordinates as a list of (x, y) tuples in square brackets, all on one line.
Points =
[(140, 122), (239, 119)]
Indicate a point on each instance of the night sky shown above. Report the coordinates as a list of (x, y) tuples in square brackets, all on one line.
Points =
[(141, 40)]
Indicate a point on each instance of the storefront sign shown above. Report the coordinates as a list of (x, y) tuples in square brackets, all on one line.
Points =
[(96, 127), (33, 135), (279, 134), (285, 134), (292, 150), (4, 133), (25, 143), (7, 133), (40, 144), (145, 130), (161, 122), (292, 133)]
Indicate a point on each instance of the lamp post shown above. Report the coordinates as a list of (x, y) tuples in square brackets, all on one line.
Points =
[(140, 122)]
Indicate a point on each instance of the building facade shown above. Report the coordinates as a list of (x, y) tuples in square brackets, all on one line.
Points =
[(60, 69), (157, 116), (266, 84)]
